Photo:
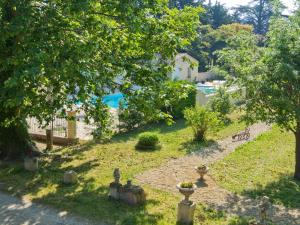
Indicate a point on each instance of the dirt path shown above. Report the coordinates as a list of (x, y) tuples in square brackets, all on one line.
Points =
[(167, 176), (14, 211)]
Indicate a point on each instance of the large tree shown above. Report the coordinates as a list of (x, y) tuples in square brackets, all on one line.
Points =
[(256, 13), (180, 4), (216, 15), (211, 40), (271, 76), (56, 53)]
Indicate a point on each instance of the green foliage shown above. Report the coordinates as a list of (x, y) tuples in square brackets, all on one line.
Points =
[(186, 185), (262, 167), (147, 140), (210, 40), (179, 95), (220, 103), (104, 125), (216, 15), (55, 54), (129, 117), (201, 120), (270, 75), (257, 13), (148, 105)]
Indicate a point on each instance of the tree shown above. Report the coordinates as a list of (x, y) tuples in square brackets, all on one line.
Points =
[(221, 104), (180, 4), (216, 15), (201, 120), (210, 40), (57, 53), (256, 13), (271, 76)]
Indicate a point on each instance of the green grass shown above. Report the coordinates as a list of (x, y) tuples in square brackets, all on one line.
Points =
[(262, 167), (95, 163)]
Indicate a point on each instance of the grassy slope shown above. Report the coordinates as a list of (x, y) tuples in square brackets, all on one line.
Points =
[(95, 164), (262, 167)]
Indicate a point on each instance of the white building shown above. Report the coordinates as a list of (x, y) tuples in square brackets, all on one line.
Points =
[(185, 68)]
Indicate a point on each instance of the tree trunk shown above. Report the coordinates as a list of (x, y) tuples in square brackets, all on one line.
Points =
[(297, 167), (199, 135), (15, 142)]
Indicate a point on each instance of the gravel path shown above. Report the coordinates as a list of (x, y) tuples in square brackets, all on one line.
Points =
[(177, 170), (14, 211)]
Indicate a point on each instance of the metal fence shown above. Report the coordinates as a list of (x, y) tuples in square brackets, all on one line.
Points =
[(59, 126)]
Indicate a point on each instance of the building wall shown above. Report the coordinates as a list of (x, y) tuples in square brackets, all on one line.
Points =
[(186, 68)]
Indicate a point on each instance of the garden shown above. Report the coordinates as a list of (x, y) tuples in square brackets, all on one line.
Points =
[(193, 113)]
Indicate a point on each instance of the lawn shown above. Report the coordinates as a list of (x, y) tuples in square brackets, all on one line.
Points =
[(262, 167), (95, 163)]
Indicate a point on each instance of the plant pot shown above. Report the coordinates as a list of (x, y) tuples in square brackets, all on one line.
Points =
[(187, 192), (202, 171)]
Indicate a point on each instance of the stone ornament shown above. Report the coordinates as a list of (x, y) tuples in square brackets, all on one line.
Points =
[(186, 208), (128, 193), (187, 192), (31, 164), (202, 170), (70, 177), (117, 175), (245, 135)]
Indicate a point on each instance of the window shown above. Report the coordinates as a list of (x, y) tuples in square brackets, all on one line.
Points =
[(189, 73)]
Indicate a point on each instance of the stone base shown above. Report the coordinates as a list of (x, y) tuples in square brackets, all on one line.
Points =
[(185, 213), (132, 198), (70, 177), (31, 164), (114, 190)]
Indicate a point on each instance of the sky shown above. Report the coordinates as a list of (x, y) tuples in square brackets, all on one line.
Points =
[(232, 3)]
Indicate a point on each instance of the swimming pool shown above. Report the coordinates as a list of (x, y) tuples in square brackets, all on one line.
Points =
[(207, 89), (113, 100)]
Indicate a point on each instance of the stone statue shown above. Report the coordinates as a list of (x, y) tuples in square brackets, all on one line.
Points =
[(117, 175)]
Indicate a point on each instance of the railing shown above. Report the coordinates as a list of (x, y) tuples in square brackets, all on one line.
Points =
[(59, 127)]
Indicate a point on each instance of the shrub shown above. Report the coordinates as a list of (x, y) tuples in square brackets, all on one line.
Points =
[(186, 185), (179, 95), (221, 104), (201, 120), (147, 140), (129, 118)]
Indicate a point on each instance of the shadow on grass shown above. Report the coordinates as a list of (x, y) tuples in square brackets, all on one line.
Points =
[(285, 191), (88, 198), (161, 128)]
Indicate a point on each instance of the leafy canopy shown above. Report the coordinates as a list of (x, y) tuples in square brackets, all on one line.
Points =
[(270, 74), (57, 53)]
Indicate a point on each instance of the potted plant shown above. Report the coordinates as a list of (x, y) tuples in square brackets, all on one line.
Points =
[(187, 189), (202, 170)]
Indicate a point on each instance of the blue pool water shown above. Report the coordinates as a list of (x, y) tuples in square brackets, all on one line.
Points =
[(113, 100), (207, 89)]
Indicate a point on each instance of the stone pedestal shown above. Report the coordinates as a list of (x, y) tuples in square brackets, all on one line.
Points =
[(133, 196), (185, 213), (114, 190), (31, 164), (70, 177), (71, 125)]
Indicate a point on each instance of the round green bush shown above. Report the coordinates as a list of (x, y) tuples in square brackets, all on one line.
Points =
[(147, 140)]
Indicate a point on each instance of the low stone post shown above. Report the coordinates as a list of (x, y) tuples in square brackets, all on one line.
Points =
[(185, 213), (31, 164), (264, 207), (71, 129), (70, 177), (49, 139), (186, 208)]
